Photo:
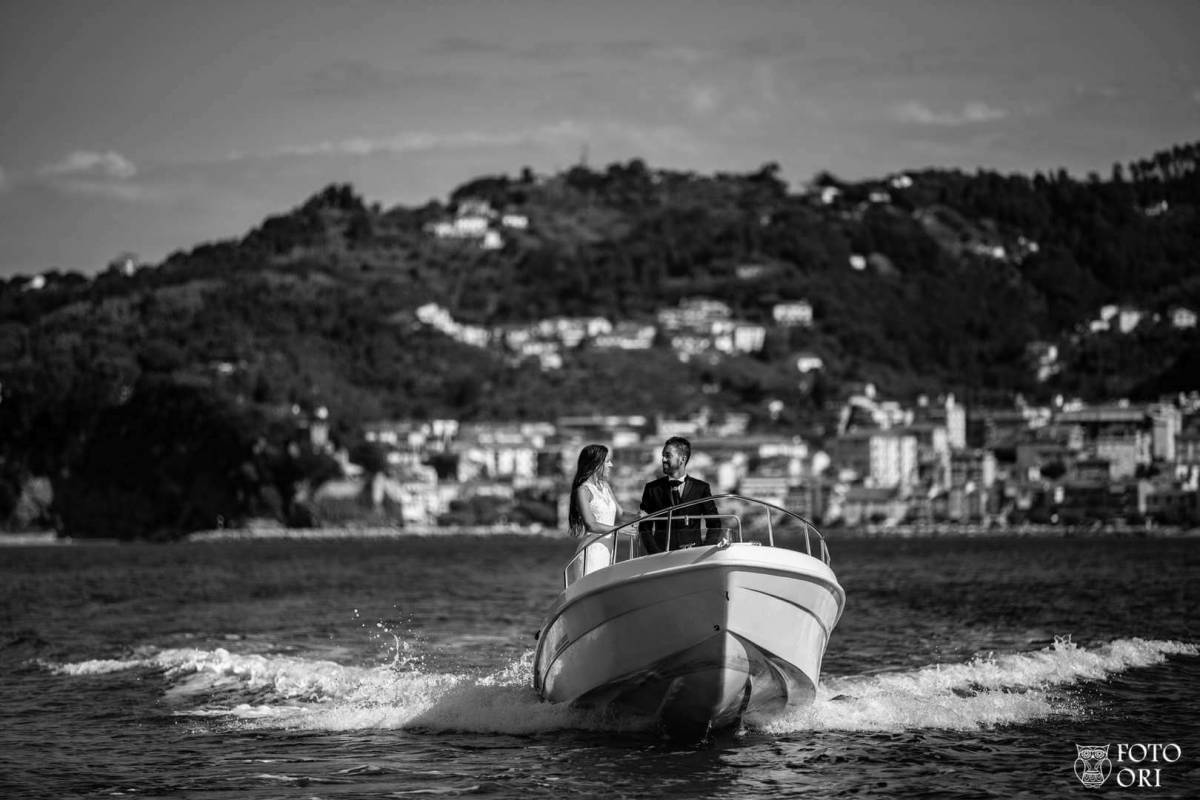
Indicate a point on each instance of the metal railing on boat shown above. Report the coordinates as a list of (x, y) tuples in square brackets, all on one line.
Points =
[(721, 529)]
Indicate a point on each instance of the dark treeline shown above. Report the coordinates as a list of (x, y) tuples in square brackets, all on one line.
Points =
[(169, 396)]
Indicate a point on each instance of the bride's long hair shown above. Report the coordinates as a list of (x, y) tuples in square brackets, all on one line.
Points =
[(591, 460)]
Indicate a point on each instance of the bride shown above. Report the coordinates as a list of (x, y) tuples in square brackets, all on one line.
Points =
[(593, 511)]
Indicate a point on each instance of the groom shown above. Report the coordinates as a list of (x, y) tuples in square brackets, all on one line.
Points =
[(675, 487)]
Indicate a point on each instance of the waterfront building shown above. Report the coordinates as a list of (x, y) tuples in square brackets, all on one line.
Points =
[(1043, 459), (1165, 421), (996, 427), (879, 458), (1168, 502), (1122, 434), (862, 505), (933, 454), (973, 468)]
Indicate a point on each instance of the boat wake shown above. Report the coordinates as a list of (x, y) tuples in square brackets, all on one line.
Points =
[(289, 692), (981, 693)]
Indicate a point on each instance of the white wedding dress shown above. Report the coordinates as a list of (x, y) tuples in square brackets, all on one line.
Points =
[(598, 547)]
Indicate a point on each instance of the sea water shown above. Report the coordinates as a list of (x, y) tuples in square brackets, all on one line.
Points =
[(962, 667)]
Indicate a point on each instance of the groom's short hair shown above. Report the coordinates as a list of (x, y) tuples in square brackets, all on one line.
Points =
[(683, 444)]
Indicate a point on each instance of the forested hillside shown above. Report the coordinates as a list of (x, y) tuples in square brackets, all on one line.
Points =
[(921, 282)]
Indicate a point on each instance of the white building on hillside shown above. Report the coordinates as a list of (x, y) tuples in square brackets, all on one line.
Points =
[(808, 362), (1183, 318), (793, 313), (1128, 319), (627, 336), (748, 337)]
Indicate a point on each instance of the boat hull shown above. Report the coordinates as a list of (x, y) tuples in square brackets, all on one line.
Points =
[(697, 638)]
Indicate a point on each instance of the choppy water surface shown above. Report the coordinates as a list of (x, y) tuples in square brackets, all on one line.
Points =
[(389, 668)]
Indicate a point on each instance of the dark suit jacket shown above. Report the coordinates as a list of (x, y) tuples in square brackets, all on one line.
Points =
[(684, 530)]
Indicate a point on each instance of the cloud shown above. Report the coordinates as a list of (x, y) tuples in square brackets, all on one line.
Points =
[(91, 164), (359, 78), (774, 45), (93, 173), (659, 53), (703, 99), (3, 180), (1097, 92), (405, 143), (347, 76), (544, 51), (550, 52), (563, 132), (119, 191), (466, 45), (765, 83), (971, 113), (632, 49)]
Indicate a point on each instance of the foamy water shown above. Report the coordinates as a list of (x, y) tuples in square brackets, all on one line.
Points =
[(297, 693)]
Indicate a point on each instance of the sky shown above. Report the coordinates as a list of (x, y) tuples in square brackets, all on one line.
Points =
[(150, 126)]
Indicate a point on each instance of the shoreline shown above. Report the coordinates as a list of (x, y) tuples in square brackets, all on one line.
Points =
[(366, 532), (929, 531), (50, 538)]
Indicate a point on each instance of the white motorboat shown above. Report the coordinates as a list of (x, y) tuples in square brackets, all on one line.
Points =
[(699, 637)]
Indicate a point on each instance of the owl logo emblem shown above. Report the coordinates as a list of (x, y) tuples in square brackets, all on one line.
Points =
[(1092, 766)]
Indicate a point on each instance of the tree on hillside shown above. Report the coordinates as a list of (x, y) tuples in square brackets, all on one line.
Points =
[(174, 459)]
